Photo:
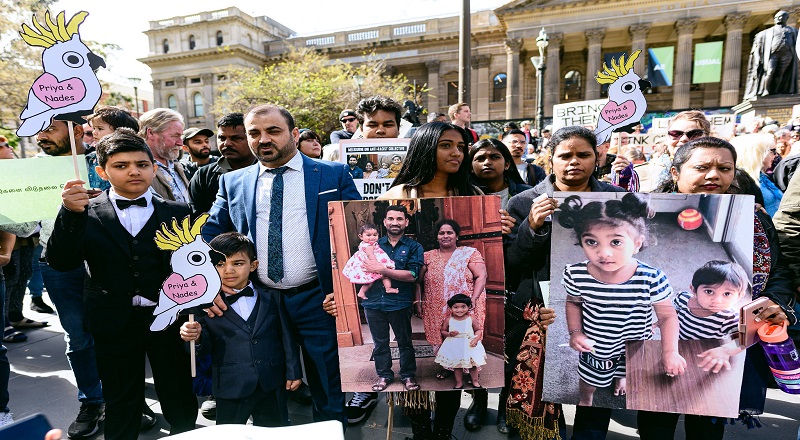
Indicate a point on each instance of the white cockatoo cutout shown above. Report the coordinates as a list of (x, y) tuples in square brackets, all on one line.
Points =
[(68, 89), (194, 280), (626, 104)]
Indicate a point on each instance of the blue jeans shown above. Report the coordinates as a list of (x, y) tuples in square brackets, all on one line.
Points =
[(66, 293), (35, 285), (379, 323), (5, 367)]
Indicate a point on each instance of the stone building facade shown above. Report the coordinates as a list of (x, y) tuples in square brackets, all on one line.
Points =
[(190, 54)]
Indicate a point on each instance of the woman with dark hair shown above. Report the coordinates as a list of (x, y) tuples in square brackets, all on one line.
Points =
[(435, 165), (708, 166), (493, 170), (309, 143), (369, 170), (573, 160)]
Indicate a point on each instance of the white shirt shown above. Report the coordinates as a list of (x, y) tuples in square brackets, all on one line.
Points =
[(523, 170), (299, 266), (244, 306), (133, 220)]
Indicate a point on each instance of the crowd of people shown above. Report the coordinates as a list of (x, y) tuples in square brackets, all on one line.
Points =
[(267, 195)]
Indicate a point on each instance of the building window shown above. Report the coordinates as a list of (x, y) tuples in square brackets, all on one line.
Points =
[(452, 92), (169, 83), (172, 102), (499, 90), (194, 80), (199, 111), (219, 38), (573, 86), (221, 77), (192, 43), (165, 45)]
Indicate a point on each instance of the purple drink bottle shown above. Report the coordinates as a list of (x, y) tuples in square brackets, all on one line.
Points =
[(782, 356)]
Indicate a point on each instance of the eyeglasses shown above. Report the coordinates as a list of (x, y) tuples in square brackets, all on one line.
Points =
[(348, 119), (5, 144), (691, 134)]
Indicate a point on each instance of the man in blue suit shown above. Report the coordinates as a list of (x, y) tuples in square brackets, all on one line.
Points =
[(281, 204)]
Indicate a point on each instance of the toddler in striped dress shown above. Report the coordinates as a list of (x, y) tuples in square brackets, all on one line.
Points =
[(612, 297), (709, 310)]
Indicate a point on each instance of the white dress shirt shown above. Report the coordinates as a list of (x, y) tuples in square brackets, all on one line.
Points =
[(133, 220), (244, 306), (299, 266)]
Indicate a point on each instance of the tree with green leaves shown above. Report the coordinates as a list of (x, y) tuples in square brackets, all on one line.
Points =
[(311, 86)]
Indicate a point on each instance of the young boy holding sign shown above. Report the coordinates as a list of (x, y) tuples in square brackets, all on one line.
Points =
[(114, 234), (252, 350)]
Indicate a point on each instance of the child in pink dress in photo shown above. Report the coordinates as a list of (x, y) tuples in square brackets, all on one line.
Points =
[(368, 250)]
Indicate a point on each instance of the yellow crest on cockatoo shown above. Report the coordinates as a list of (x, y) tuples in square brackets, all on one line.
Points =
[(171, 239), (52, 31), (617, 70)]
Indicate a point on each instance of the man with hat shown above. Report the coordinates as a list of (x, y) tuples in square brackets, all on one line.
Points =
[(349, 122), (196, 143)]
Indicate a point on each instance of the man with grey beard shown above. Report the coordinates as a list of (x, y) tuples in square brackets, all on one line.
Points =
[(162, 129)]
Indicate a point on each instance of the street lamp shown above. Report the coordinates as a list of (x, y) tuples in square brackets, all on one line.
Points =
[(135, 83), (359, 79), (540, 65)]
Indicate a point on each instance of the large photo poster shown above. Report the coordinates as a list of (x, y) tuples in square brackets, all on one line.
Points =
[(373, 163), (648, 288), (421, 288)]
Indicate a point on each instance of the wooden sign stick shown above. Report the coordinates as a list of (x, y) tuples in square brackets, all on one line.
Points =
[(74, 149), (191, 350)]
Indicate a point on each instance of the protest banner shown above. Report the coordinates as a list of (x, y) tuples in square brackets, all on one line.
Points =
[(607, 352), (456, 245), (375, 163), (31, 188), (577, 113)]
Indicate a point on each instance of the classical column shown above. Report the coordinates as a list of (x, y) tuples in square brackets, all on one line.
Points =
[(433, 85), (594, 43), (552, 76), (512, 45), (180, 95), (208, 98), (638, 34), (683, 65), (734, 24), (480, 63), (156, 92)]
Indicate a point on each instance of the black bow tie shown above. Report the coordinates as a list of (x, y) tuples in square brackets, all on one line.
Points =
[(247, 291), (125, 204)]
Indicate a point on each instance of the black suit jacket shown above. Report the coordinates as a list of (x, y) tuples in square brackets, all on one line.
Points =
[(243, 357), (97, 237)]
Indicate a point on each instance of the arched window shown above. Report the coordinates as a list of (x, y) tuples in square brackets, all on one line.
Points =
[(192, 43), (199, 110), (172, 102), (573, 86), (219, 38), (499, 90), (165, 45)]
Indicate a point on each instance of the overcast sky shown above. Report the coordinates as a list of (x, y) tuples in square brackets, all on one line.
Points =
[(123, 23)]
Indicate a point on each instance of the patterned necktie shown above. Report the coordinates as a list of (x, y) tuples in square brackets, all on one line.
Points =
[(275, 237)]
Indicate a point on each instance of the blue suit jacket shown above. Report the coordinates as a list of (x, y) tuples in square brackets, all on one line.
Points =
[(235, 206)]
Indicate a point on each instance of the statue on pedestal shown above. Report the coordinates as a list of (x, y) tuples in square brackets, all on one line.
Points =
[(772, 69)]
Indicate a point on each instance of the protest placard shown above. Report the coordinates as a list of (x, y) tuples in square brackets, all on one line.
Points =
[(456, 246), (582, 113), (373, 163), (607, 352), (31, 188)]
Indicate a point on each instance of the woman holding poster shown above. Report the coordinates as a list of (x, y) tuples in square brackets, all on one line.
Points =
[(574, 156), (707, 166)]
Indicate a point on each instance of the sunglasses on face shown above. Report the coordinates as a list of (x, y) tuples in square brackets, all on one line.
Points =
[(691, 134), (348, 119)]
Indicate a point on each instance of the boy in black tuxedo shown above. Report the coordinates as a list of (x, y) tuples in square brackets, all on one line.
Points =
[(114, 234), (254, 357)]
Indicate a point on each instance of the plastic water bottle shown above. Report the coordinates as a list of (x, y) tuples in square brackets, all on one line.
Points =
[(782, 356)]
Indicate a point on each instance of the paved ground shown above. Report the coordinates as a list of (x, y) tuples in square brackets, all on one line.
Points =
[(41, 381)]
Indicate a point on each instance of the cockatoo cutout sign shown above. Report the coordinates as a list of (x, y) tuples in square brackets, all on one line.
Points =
[(626, 104), (68, 89), (194, 280)]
